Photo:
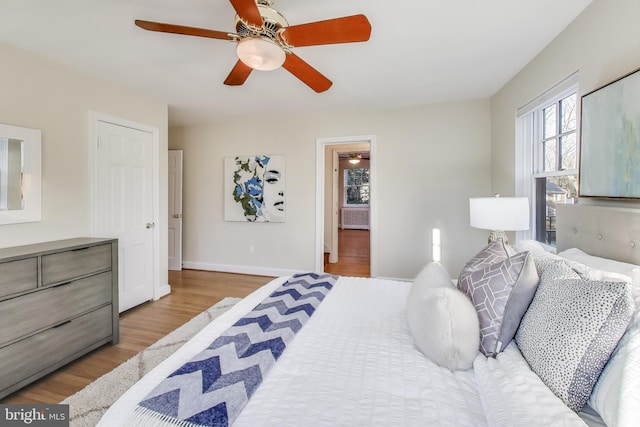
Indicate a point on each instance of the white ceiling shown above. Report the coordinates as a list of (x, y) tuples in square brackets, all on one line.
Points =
[(420, 51)]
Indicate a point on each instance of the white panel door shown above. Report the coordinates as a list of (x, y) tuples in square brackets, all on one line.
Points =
[(175, 210), (125, 187)]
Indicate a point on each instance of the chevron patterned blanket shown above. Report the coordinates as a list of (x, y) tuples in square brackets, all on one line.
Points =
[(213, 387)]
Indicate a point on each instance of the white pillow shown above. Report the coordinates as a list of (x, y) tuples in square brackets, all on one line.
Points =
[(607, 269), (533, 246), (444, 325), (433, 275)]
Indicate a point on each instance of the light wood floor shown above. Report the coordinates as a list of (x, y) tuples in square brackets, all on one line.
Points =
[(192, 292), (354, 254)]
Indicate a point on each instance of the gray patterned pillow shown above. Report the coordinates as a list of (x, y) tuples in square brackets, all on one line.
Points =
[(494, 252), (501, 293), (570, 330)]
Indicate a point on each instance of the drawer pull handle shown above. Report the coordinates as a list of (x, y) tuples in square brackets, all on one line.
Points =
[(62, 324), (79, 249)]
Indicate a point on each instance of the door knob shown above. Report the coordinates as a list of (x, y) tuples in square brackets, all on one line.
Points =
[(177, 216), (151, 224)]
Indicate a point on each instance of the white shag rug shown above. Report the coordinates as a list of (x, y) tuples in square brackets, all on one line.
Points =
[(87, 406)]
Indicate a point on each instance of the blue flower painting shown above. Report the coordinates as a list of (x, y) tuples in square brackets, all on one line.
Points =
[(256, 187)]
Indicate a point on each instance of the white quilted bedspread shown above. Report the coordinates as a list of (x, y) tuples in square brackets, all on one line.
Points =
[(390, 384), (354, 364), (512, 395)]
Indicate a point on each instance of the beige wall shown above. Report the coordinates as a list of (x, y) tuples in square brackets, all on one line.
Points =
[(40, 94), (603, 43), (430, 160)]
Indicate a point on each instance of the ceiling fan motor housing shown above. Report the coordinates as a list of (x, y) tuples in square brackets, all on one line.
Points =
[(273, 22)]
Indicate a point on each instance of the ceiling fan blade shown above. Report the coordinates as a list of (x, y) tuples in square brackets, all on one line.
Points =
[(306, 73), (238, 75), (181, 29), (347, 29), (248, 11)]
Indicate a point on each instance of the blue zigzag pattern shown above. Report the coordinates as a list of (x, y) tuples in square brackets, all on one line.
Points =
[(213, 387)]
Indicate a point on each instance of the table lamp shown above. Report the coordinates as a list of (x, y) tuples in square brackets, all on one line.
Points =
[(499, 214)]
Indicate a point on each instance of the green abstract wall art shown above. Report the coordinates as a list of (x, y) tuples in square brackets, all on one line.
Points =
[(610, 140), (254, 188)]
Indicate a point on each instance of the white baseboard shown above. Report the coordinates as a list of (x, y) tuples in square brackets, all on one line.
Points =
[(242, 269), (256, 271)]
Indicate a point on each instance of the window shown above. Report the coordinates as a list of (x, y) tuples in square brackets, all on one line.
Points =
[(356, 186), (548, 145)]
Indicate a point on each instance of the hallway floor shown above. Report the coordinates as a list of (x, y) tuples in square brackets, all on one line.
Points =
[(354, 254)]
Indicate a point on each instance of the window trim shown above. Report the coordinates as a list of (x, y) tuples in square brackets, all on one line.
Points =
[(527, 134)]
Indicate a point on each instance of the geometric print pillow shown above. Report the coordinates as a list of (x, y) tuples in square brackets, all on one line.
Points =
[(501, 293), (570, 330), (494, 252)]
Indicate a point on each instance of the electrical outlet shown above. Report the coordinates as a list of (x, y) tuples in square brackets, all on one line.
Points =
[(252, 249)]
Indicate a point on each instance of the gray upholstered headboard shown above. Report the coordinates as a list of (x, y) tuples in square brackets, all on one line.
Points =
[(607, 232)]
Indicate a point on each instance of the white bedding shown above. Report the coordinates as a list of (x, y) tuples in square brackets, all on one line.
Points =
[(354, 364)]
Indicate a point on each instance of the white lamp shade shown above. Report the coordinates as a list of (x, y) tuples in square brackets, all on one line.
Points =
[(260, 53), (499, 213)]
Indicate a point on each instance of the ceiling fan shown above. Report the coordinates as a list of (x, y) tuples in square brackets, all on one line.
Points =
[(265, 40)]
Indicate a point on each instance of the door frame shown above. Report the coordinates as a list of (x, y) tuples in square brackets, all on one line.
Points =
[(94, 118), (321, 144)]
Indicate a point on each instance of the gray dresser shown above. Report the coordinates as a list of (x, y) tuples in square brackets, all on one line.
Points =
[(58, 301)]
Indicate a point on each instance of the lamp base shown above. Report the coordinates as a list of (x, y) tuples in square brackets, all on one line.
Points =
[(496, 235)]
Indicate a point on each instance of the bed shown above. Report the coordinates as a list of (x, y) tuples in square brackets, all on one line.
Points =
[(358, 360)]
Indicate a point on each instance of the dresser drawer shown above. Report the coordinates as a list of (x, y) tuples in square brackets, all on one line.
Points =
[(17, 276), (38, 352), (68, 265), (48, 307)]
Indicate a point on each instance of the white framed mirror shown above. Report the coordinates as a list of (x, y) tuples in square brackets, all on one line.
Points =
[(20, 175)]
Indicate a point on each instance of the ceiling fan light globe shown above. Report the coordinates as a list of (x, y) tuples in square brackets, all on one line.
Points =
[(260, 53), (354, 158)]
